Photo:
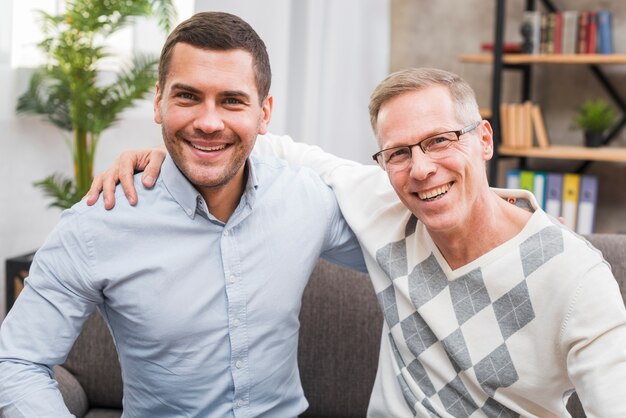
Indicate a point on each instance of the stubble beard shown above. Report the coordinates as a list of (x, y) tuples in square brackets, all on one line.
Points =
[(196, 173)]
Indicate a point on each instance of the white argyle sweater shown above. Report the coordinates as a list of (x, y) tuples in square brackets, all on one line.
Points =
[(511, 334)]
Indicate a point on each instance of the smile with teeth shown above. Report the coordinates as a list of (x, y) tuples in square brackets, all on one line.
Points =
[(207, 149), (435, 193)]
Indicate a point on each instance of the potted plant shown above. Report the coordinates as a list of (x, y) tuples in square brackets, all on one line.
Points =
[(594, 117), (69, 89)]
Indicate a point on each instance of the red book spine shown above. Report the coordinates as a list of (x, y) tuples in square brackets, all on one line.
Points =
[(592, 33), (583, 38), (558, 32)]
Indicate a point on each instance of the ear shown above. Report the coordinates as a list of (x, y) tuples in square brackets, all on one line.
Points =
[(157, 104), (266, 113), (486, 139)]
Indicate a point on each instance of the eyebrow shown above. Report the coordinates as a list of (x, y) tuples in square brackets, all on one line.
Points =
[(236, 93), (433, 132), (181, 86)]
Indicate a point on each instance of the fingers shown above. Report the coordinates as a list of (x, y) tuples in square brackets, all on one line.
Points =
[(153, 168), (127, 162), (122, 171), (94, 191), (109, 181)]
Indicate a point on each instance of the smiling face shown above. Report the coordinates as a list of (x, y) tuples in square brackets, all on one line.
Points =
[(442, 193), (210, 115)]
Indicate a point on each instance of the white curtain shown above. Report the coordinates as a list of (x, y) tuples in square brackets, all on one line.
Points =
[(327, 57)]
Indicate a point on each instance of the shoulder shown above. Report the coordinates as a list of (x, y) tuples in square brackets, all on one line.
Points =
[(122, 207), (271, 170), (295, 187)]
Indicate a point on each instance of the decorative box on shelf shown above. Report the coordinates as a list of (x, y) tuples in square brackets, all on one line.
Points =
[(16, 271)]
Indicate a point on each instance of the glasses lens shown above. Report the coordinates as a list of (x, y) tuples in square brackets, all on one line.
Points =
[(438, 143), (396, 157)]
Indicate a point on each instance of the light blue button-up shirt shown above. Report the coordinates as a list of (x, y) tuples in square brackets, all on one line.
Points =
[(204, 314)]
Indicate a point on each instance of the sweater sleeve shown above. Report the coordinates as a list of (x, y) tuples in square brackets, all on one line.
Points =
[(305, 155), (594, 336)]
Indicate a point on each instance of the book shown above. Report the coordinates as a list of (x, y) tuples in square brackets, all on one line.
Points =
[(540, 128), (550, 31), (540, 179), (520, 133), (527, 107), (512, 179), (591, 33), (605, 32), (583, 24), (554, 193), (571, 188), (585, 223), (504, 125), (557, 36), (526, 180), (569, 35), (507, 47)]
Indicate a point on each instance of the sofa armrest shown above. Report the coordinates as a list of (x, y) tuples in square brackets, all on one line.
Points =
[(73, 394)]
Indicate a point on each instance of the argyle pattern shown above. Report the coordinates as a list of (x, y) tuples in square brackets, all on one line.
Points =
[(470, 311)]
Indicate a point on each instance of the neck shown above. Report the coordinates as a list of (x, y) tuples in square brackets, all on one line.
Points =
[(223, 200), (493, 222)]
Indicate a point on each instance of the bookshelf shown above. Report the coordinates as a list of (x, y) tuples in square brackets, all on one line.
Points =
[(590, 59), (524, 63), (565, 152)]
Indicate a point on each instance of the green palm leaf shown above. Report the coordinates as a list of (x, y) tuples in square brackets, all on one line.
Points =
[(68, 91), (60, 189)]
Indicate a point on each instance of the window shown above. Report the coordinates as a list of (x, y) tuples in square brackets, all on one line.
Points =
[(20, 32)]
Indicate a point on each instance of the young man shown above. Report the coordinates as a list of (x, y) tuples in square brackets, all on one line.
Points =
[(180, 279), (490, 310)]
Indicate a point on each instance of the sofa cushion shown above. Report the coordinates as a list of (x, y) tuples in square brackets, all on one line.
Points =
[(339, 342), (73, 394), (104, 413), (613, 247), (94, 363)]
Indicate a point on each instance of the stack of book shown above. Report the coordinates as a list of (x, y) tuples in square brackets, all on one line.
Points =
[(568, 32), (571, 196), (522, 125)]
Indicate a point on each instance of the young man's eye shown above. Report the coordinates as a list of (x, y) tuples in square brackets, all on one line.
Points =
[(185, 96), (232, 101)]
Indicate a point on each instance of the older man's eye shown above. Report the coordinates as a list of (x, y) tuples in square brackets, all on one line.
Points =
[(398, 154), (437, 143)]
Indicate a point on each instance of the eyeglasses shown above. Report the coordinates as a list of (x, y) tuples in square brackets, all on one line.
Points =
[(399, 158)]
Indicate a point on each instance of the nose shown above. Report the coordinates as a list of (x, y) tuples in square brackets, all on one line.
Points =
[(208, 119), (422, 165)]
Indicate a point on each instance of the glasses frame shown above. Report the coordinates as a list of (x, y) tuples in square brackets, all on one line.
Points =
[(457, 133)]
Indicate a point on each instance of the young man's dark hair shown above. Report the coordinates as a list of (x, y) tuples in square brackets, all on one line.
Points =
[(220, 31)]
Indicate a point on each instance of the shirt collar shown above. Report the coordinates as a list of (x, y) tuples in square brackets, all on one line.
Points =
[(186, 195)]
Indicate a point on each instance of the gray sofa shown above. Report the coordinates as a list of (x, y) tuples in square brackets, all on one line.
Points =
[(339, 342)]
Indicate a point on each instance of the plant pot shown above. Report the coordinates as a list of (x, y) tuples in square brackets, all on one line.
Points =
[(594, 139)]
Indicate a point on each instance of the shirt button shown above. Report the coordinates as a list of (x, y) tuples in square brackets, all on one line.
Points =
[(231, 279), (225, 232), (239, 403), (236, 322), (238, 364), (189, 212)]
